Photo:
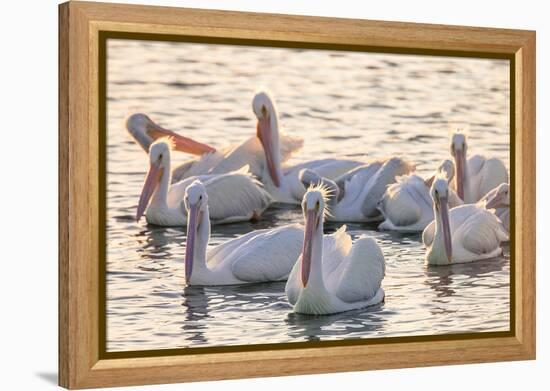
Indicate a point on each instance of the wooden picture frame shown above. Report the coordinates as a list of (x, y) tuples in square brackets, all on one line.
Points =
[(82, 25)]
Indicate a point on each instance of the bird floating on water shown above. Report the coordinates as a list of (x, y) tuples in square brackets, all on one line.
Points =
[(354, 196), (333, 275), (234, 196), (214, 161), (477, 175), (283, 183), (463, 234), (498, 199), (258, 256), (407, 205)]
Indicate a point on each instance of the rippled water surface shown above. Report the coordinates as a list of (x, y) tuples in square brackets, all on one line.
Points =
[(343, 104)]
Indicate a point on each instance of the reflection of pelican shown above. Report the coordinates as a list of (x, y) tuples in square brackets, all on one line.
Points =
[(333, 275), (234, 196), (442, 286), (196, 302), (477, 175), (467, 233), (220, 161), (196, 310), (440, 279), (203, 304), (155, 242), (261, 255), (407, 205), (361, 322), (354, 196)]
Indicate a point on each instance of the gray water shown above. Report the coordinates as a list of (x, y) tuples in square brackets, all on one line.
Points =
[(358, 105)]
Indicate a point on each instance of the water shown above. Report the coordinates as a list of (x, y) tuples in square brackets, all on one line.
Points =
[(358, 105)]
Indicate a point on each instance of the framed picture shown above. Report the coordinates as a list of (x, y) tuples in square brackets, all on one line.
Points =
[(247, 195)]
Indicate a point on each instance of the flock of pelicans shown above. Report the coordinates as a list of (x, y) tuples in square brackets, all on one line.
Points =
[(462, 210)]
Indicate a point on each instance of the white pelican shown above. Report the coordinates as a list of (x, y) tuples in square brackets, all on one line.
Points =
[(227, 159), (234, 196), (464, 234), (499, 200), (407, 205), (333, 275), (283, 183), (354, 197), (145, 132), (477, 175), (259, 256)]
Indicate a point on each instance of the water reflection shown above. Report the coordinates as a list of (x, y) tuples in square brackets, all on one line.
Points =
[(473, 271), (195, 303), (157, 242), (448, 281), (365, 321)]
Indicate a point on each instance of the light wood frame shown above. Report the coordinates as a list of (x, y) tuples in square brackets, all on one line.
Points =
[(80, 361)]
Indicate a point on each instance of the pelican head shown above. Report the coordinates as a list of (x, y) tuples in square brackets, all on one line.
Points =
[(145, 132), (159, 162), (459, 148), (137, 125), (313, 206), (440, 196), (196, 204), (268, 133), (447, 170), (309, 177), (499, 197)]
